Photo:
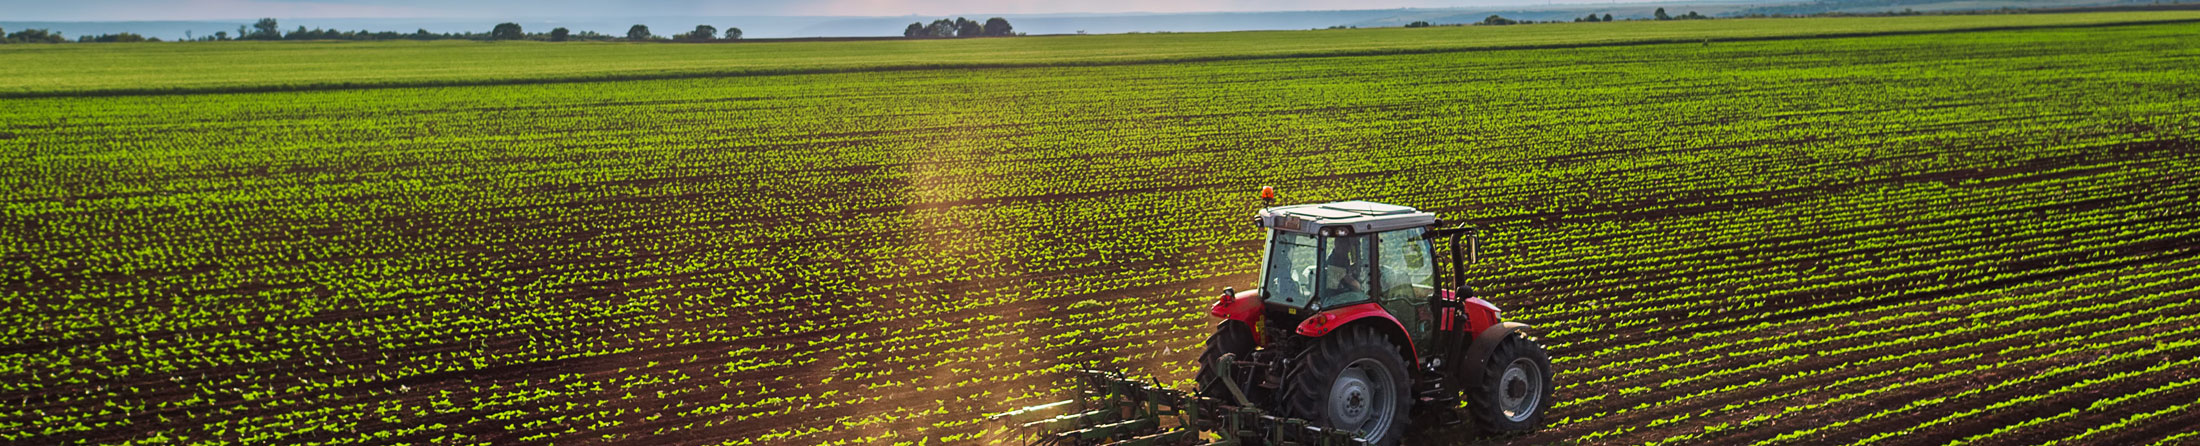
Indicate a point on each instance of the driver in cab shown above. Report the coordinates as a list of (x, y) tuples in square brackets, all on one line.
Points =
[(1344, 272)]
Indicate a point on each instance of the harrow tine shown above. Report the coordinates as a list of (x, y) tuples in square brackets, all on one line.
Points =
[(1172, 437), (1073, 421), (1117, 410), (1032, 413)]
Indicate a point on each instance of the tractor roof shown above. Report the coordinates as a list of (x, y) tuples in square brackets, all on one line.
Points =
[(1360, 217)]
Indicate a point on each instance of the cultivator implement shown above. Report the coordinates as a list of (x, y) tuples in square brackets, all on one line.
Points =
[(1115, 410)]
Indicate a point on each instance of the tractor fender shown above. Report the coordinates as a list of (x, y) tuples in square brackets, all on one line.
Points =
[(1481, 315), (1373, 314), (1243, 306), (1478, 355)]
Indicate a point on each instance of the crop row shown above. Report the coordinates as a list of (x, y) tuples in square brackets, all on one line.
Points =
[(1724, 243)]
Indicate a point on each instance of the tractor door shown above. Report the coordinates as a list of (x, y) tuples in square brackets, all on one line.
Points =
[(1407, 277)]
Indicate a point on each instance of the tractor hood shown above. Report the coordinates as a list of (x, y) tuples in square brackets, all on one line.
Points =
[(1344, 217)]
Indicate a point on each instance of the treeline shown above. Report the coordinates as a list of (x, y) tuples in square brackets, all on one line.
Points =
[(1805, 10), (48, 36), (270, 29), (1655, 15), (960, 27), (31, 36), (266, 30), (1825, 7), (1494, 19)]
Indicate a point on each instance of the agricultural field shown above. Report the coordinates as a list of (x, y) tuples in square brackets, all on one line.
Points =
[(43, 70), (1979, 236)]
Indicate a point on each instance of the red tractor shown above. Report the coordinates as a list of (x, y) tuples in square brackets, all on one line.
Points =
[(1349, 336)]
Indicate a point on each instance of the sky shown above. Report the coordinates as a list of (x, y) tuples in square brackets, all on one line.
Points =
[(127, 10)]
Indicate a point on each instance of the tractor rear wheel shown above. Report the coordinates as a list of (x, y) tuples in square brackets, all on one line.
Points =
[(1352, 380), (1514, 392), (1231, 337)]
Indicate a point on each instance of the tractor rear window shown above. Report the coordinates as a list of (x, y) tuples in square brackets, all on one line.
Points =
[(1289, 277), (1303, 267)]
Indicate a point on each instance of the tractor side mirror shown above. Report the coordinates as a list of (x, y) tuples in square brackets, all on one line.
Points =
[(1473, 254), (1474, 246)]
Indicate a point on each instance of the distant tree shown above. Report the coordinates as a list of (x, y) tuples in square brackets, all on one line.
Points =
[(3, 35), (638, 32), (915, 29), (968, 28), (560, 34), (1660, 15), (266, 29), (998, 27), (1419, 24), (1495, 19), (1607, 17), (221, 35), (733, 33), (507, 31), (1692, 15), (35, 35), (115, 38), (940, 28), (702, 33)]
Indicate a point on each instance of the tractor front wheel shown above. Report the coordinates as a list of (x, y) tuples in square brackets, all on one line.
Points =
[(1515, 390), (1352, 380)]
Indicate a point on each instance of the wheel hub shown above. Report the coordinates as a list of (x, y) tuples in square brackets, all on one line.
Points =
[(1360, 398), (1520, 390), (1350, 398)]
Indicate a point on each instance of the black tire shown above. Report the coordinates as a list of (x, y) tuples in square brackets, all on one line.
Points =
[(1324, 378), (1234, 337), (1514, 392)]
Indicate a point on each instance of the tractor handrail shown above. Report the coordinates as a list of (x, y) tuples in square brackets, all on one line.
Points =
[(1473, 251)]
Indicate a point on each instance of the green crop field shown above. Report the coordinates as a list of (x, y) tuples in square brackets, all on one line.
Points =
[(1974, 230), (45, 70)]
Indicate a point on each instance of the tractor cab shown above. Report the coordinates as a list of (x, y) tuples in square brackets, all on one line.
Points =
[(1329, 264), (1339, 254)]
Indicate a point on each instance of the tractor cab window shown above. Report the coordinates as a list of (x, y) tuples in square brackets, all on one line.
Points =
[(1408, 270), (1302, 268), (1344, 274), (1288, 277)]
